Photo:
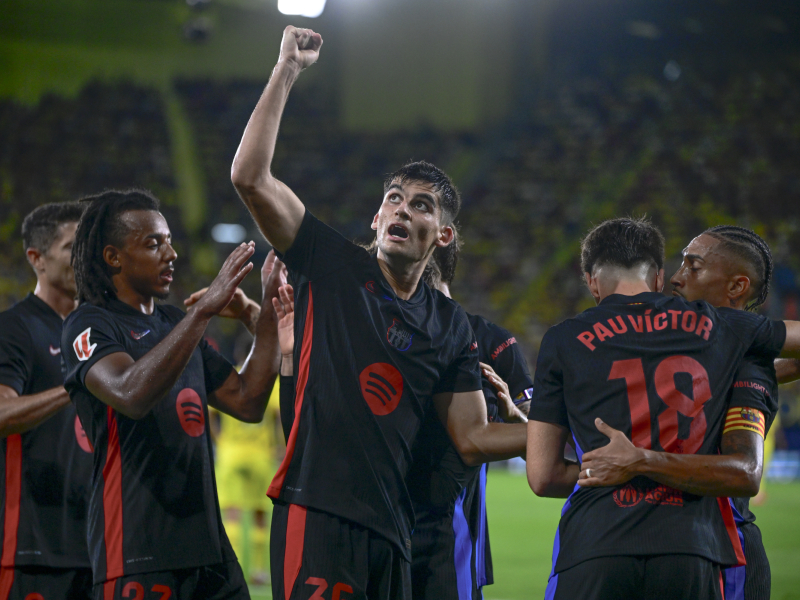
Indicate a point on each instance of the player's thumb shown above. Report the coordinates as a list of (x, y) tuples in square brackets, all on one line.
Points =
[(603, 428)]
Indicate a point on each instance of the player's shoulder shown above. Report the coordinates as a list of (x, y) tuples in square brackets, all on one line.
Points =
[(170, 312), (87, 315)]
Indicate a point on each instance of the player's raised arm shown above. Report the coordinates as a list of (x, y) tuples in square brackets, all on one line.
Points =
[(275, 208), (477, 441), (134, 387), (244, 395), (791, 347)]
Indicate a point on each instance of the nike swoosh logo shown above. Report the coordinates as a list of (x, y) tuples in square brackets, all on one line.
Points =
[(138, 336), (55, 351)]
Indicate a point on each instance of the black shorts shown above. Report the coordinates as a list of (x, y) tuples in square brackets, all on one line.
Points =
[(45, 583), (753, 581), (442, 565), (223, 581), (663, 577), (314, 554)]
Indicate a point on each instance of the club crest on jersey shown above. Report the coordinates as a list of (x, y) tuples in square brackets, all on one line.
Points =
[(190, 412), (399, 337), (138, 336), (83, 346)]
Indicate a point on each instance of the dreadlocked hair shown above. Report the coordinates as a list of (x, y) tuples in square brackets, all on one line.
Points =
[(99, 227), (751, 248)]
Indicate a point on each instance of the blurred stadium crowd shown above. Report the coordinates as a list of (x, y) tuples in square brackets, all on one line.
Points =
[(691, 151)]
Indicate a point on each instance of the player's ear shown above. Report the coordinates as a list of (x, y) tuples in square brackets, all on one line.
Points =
[(594, 287), (111, 257), (660, 281), (35, 259), (738, 289), (375, 222), (446, 236)]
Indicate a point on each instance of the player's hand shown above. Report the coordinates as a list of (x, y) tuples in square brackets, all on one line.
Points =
[(222, 290), (236, 308), (273, 275), (505, 405), (612, 464), (284, 308), (300, 47)]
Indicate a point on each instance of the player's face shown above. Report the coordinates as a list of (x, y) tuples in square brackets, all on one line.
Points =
[(56, 261), (408, 223), (145, 260), (703, 275)]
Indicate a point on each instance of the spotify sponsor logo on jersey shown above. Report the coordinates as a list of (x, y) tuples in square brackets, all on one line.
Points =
[(382, 387), (190, 412)]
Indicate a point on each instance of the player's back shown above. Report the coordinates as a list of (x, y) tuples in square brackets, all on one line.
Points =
[(659, 369)]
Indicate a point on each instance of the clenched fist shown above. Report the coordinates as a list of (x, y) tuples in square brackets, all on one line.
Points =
[(300, 46)]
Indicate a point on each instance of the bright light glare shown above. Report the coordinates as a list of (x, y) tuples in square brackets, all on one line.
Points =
[(228, 233), (305, 8)]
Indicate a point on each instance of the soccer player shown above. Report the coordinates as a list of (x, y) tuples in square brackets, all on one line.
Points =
[(47, 458), (374, 347), (450, 551), (142, 376), (650, 366)]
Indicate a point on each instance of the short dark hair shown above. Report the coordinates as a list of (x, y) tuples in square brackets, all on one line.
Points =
[(40, 227), (747, 246), (100, 226), (444, 260), (449, 198), (623, 242)]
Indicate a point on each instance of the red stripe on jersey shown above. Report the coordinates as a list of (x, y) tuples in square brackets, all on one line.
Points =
[(293, 552), (108, 589), (6, 581), (721, 585), (13, 494), (302, 378), (733, 532), (112, 501)]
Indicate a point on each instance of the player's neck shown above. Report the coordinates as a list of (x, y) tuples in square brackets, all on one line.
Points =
[(143, 304), (625, 287), (59, 300), (403, 278)]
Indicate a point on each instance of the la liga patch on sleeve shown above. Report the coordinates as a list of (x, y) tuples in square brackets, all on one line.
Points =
[(83, 346), (750, 419)]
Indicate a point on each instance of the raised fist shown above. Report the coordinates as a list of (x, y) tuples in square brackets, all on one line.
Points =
[(300, 46)]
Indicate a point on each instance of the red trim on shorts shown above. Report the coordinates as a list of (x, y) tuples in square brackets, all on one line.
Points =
[(733, 532), (721, 585), (108, 589), (112, 501), (6, 581), (13, 494), (293, 551), (276, 486)]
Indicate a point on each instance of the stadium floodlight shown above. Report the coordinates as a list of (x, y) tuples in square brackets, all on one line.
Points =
[(228, 233), (304, 8)]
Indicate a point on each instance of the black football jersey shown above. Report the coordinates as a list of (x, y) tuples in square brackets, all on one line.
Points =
[(153, 504), (367, 364), (45, 473), (755, 386), (659, 369)]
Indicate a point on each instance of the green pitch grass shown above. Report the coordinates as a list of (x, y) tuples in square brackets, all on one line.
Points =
[(522, 527)]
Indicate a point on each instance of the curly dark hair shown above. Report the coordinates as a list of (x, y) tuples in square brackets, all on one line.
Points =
[(449, 198), (623, 242), (100, 226), (747, 246)]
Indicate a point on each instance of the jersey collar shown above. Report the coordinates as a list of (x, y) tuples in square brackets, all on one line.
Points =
[(643, 298)]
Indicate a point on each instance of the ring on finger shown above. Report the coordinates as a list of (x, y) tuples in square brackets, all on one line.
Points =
[(588, 473)]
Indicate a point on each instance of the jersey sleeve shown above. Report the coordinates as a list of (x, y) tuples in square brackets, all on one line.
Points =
[(89, 334), (753, 387), (511, 366), (216, 367), (463, 374), (15, 353), (319, 250), (766, 336), (547, 402)]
